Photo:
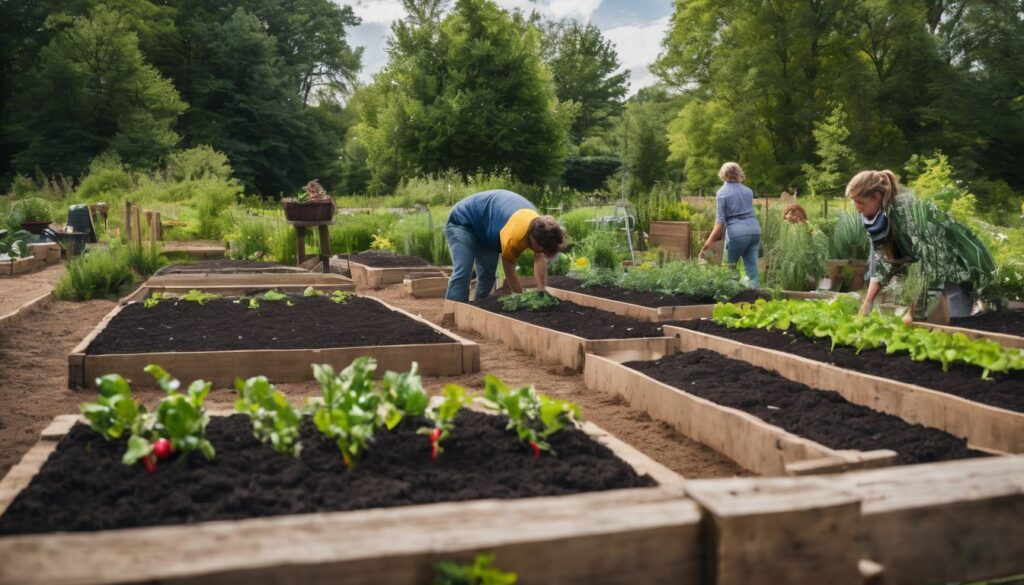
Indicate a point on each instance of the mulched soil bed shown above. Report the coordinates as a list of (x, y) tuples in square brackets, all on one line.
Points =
[(226, 266), (1009, 322), (823, 417), (386, 260), (84, 487), (648, 299), (1003, 390), (585, 322), (313, 323)]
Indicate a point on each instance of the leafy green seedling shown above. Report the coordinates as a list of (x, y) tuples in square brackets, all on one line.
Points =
[(274, 420), (154, 300), (341, 296), (198, 296), (442, 415), (480, 572), (527, 301)]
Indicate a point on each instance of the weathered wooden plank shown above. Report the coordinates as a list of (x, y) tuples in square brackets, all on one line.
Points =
[(376, 278), (646, 535), (18, 315), (552, 346), (427, 287), (638, 312), (749, 441), (983, 426)]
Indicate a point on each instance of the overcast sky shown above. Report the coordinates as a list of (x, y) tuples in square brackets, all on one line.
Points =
[(636, 27)]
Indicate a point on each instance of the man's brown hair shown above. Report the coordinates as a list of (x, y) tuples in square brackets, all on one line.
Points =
[(548, 234)]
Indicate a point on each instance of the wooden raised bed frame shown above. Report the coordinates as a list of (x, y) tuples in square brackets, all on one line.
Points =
[(655, 314), (647, 535), (553, 346), (281, 365), (755, 444), (239, 283), (934, 523), (379, 277), (985, 427)]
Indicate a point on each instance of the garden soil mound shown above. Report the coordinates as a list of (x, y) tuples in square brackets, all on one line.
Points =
[(574, 319), (821, 416), (313, 323), (1009, 322), (84, 486), (648, 298), (1002, 390), (386, 260)]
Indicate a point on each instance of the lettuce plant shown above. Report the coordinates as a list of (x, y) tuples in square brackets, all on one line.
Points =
[(527, 301)]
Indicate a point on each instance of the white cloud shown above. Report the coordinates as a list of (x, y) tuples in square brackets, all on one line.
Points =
[(378, 11), (638, 46), (555, 9)]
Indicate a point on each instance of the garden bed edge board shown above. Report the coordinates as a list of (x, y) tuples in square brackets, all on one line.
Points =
[(746, 439), (379, 277), (553, 346), (236, 284), (18, 315), (649, 535), (433, 287), (987, 427), (461, 356)]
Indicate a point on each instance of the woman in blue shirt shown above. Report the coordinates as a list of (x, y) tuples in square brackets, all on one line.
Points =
[(734, 215)]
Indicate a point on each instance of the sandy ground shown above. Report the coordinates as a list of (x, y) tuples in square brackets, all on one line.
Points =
[(15, 291), (33, 386)]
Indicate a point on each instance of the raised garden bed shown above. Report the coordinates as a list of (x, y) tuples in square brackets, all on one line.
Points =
[(219, 340), (563, 334), (821, 416), (645, 306), (987, 412), (377, 269), (615, 536), (239, 283)]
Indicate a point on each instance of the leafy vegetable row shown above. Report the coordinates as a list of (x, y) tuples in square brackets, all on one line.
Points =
[(530, 300), (673, 278), (273, 296), (351, 410), (838, 320)]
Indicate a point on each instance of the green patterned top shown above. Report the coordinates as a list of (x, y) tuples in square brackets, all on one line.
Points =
[(946, 250)]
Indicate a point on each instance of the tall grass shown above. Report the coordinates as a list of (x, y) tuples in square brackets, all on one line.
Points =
[(99, 274)]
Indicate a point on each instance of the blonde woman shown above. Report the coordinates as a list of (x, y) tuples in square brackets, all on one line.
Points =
[(953, 262), (734, 215)]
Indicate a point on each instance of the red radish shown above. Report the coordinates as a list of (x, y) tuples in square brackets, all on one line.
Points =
[(163, 448), (149, 463), (433, 451), (536, 449), (435, 435)]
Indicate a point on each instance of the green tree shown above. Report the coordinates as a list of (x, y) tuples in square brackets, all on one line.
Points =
[(644, 138), (583, 65), (94, 91), (836, 159), (467, 92)]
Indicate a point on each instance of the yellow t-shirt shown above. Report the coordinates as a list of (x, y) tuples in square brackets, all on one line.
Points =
[(515, 236)]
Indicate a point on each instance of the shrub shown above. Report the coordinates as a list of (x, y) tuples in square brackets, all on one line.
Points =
[(99, 274), (105, 184), (251, 238), (31, 209), (200, 162), (354, 233)]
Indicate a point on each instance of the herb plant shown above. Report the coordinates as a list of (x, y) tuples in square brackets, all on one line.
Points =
[(198, 296), (273, 418), (528, 301), (480, 572)]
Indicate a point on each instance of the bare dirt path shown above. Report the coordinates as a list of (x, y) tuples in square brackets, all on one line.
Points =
[(15, 291), (33, 386)]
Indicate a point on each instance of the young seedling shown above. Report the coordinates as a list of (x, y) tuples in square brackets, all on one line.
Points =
[(442, 414), (115, 412), (312, 292), (480, 572), (275, 296), (273, 418), (341, 296), (527, 301), (154, 300), (198, 296), (528, 411), (402, 395), (347, 412)]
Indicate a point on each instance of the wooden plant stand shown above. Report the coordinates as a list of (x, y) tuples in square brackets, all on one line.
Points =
[(985, 427), (325, 241), (458, 357), (552, 346), (643, 535), (753, 443)]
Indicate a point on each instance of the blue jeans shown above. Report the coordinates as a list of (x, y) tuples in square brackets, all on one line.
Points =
[(744, 247), (467, 252)]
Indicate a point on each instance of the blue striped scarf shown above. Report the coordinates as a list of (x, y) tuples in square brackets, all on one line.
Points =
[(878, 228)]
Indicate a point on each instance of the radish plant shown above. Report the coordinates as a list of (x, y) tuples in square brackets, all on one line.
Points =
[(534, 417), (274, 419), (347, 412), (442, 414)]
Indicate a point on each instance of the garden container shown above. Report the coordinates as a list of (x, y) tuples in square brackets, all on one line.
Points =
[(313, 210)]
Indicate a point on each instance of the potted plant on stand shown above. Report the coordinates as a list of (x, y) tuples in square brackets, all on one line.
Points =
[(312, 205), (32, 214)]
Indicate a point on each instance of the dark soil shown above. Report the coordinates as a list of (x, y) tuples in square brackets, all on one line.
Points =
[(377, 259), (225, 265), (84, 487), (313, 323), (821, 416), (585, 322), (1009, 322), (1002, 390), (650, 298)]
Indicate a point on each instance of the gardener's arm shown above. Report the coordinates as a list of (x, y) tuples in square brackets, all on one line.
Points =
[(713, 237), (511, 278), (540, 271)]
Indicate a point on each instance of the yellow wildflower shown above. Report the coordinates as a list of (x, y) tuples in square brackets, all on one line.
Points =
[(581, 262)]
